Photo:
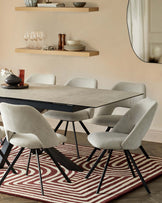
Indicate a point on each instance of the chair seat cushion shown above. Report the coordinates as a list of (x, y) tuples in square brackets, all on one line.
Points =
[(105, 120), (68, 116), (107, 140), (31, 141)]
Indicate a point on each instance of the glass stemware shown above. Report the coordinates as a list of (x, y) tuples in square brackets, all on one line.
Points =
[(32, 40), (27, 38), (35, 40), (41, 38)]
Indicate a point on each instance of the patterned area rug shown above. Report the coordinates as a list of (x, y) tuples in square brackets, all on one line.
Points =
[(118, 179)]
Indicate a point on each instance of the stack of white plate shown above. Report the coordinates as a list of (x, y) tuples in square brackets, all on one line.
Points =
[(74, 45)]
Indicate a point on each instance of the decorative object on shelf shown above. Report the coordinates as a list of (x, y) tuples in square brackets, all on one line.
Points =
[(63, 41), (27, 38), (31, 3), (34, 40), (73, 42), (49, 48), (74, 45), (51, 5), (60, 41), (79, 4), (12, 80)]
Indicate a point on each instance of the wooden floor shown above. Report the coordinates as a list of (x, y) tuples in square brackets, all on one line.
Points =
[(137, 196)]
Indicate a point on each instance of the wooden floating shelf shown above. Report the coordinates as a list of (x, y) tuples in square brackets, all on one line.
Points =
[(57, 52), (58, 9)]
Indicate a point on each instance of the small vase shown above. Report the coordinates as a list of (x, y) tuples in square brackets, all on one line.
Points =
[(31, 3), (13, 80)]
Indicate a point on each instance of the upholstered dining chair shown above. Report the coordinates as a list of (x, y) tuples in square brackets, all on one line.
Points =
[(76, 116), (25, 127), (42, 79), (126, 135), (105, 116), (37, 78)]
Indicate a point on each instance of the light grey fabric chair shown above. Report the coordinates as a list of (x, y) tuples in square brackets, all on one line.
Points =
[(126, 135), (104, 115), (76, 116), (25, 127), (42, 79), (48, 79)]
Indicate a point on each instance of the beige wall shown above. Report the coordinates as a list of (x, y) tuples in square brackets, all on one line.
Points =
[(105, 31)]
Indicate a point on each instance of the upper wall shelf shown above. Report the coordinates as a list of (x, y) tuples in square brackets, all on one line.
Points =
[(57, 52), (58, 9)]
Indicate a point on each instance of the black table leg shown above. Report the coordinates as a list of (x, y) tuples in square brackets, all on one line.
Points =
[(6, 148), (63, 160)]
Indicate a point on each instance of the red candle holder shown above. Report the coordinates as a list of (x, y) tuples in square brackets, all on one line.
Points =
[(21, 75)]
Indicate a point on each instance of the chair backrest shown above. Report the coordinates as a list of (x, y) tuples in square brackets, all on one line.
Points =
[(26, 119), (42, 79), (136, 123), (85, 83), (130, 87), (128, 103), (82, 82)]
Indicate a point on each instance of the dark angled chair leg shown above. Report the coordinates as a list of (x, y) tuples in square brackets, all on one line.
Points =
[(139, 173), (92, 153), (58, 125), (27, 169), (2, 141), (95, 164), (67, 123), (6, 160), (144, 152), (108, 129), (76, 142), (11, 166), (40, 176), (84, 127), (103, 175), (129, 163), (58, 166)]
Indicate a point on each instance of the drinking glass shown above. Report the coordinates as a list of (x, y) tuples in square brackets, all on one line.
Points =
[(41, 39), (27, 38), (32, 36)]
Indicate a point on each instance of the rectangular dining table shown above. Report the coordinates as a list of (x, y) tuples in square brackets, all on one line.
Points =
[(61, 98)]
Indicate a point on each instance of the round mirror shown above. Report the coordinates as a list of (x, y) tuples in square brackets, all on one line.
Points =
[(144, 19)]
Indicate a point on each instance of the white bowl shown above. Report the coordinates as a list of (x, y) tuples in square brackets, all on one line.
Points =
[(73, 42), (74, 47)]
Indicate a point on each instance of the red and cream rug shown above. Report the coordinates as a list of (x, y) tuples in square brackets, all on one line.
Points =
[(118, 179)]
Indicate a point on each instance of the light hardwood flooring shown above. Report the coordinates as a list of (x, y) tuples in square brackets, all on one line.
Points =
[(137, 196)]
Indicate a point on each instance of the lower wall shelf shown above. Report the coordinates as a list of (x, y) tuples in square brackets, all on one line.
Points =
[(57, 52)]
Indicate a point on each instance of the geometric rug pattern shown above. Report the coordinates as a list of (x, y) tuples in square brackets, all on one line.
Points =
[(118, 178)]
